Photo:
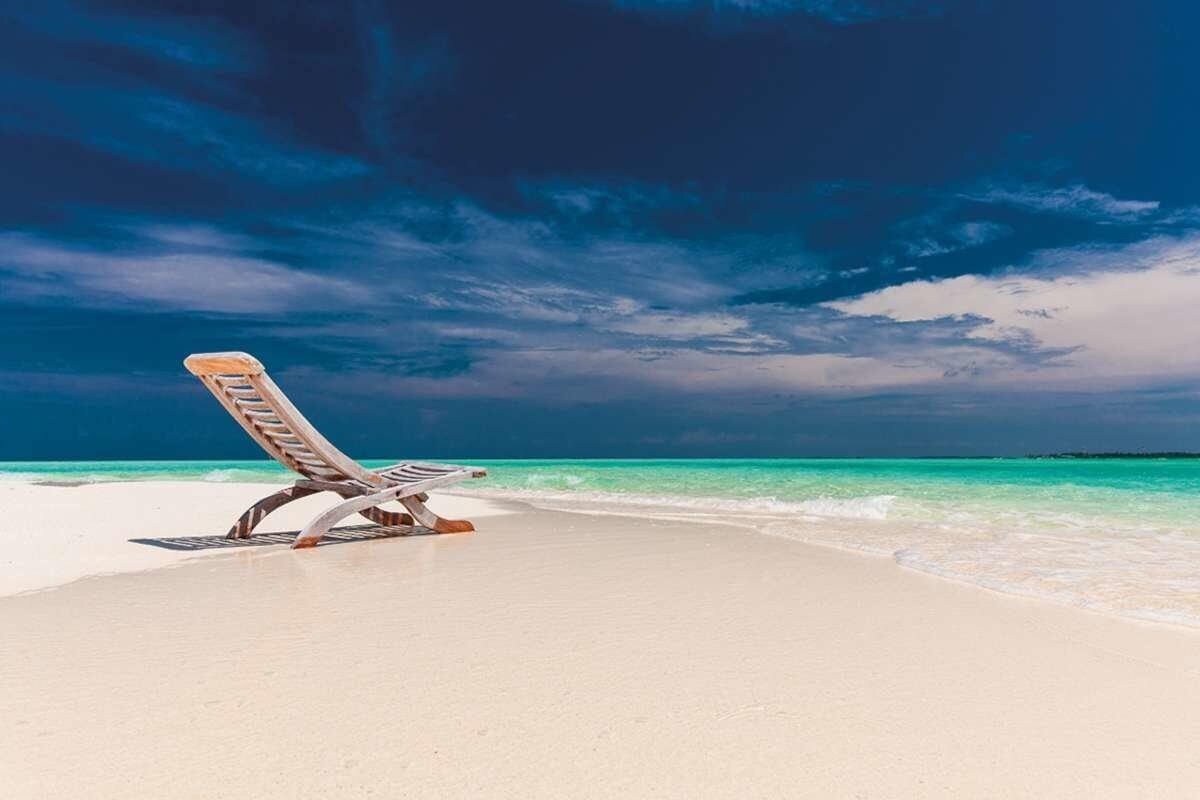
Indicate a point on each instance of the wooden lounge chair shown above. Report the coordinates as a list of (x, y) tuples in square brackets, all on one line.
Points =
[(243, 387)]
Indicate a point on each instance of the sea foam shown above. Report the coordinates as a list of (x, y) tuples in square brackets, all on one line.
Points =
[(870, 507)]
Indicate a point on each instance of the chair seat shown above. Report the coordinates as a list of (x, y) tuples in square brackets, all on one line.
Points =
[(413, 472)]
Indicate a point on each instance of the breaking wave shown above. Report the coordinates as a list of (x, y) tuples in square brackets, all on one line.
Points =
[(871, 507)]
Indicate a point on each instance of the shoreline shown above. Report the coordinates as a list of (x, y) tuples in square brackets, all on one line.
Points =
[(529, 658), (122, 553)]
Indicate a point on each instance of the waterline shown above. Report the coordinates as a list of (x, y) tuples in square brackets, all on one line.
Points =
[(1121, 536)]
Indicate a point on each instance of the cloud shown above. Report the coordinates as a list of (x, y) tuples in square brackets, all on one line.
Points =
[(540, 302), (934, 242), (488, 301), (448, 297), (682, 326), (211, 138), (457, 272), (1124, 313), (599, 311), (468, 258), (581, 375), (189, 269), (1076, 200)]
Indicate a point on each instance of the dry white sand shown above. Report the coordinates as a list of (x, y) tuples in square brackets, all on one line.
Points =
[(561, 655), (51, 535)]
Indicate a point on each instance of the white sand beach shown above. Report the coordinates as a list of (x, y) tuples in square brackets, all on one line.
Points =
[(549, 654), (57, 534)]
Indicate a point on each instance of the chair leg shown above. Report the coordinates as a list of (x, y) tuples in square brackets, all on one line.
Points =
[(320, 526), (432, 521), (255, 514)]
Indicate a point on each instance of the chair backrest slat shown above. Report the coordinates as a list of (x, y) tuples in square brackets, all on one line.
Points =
[(243, 388)]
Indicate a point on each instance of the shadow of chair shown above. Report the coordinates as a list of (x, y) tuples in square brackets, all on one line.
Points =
[(350, 533)]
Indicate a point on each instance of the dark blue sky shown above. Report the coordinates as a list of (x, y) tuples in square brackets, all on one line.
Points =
[(604, 227)]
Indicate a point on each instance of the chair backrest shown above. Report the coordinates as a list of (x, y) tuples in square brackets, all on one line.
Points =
[(241, 384)]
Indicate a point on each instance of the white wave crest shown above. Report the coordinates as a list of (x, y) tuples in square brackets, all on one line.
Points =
[(868, 507), (874, 507)]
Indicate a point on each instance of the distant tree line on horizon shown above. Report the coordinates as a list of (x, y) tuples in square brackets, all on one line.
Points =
[(1171, 454)]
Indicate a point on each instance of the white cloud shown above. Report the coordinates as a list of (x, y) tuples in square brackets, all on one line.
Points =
[(1077, 200), (504, 274), (1134, 321), (600, 313), (195, 236), (190, 281), (681, 326), (572, 374)]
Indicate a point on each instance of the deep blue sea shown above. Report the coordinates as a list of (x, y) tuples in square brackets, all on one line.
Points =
[(1120, 536)]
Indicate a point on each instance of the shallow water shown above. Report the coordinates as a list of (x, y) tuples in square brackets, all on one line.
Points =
[(1114, 535)]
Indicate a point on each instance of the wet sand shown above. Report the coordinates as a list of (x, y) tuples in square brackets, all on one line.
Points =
[(564, 655)]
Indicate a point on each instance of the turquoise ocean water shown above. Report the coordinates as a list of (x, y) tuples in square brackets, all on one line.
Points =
[(1120, 536)]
